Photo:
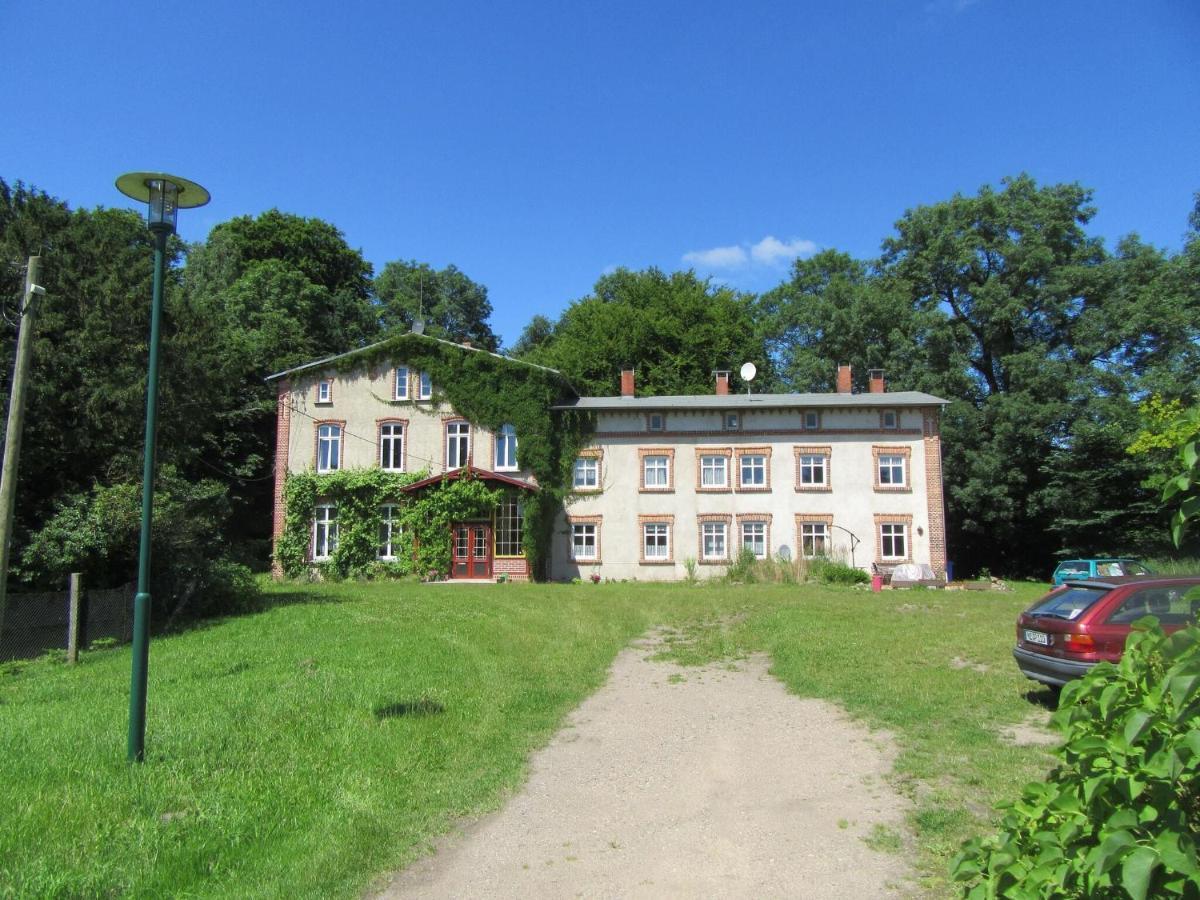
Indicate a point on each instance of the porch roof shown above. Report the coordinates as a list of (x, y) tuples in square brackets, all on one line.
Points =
[(474, 472)]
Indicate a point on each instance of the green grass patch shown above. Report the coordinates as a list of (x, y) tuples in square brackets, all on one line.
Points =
[(307, 748)]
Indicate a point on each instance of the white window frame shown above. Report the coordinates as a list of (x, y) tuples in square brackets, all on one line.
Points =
[(891, 532), (757, 534), (889, 463), (660, 464), (506, 449), (325, 390), (810, 533), (810, 462), (510, 517), (658, 530), (585, 542), (458, 444), (715, 464), (391, 446), (718, 534), (401, 378), (424, 387), (390, 531), (325, 531), (329, 447), (745, 465), (589, 468)]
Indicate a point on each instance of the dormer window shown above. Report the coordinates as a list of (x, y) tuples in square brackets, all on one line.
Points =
[(656, 422), (401, 391), (732, 421), (325, 390), (888, 418), (811, 419), (425, 387)]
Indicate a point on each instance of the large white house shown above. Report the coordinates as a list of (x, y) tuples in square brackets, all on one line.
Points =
[(663, 482)]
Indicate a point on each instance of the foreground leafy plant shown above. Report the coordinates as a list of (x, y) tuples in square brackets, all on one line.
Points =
[(1119, 815)]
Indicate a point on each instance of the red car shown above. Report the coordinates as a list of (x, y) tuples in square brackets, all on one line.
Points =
[(1083, 622)]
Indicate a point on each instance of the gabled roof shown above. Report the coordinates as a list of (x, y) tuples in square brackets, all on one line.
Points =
[(474, 472), (754, 401), (317, 363)]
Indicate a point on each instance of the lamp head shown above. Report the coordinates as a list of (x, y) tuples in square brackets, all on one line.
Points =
[(164, 194)]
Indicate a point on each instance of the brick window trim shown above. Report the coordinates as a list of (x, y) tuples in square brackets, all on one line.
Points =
[(723, 518), (317, 401), (702, 452), (669, 521), (764, 519), (906, 452), (452, 420), (572, 521), (341, 423), (905, 519), (596, 453), (827, 452), (669, 453), (391, 420), (752, 451)]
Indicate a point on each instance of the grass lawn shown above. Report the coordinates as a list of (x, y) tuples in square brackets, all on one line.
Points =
[(305, 749)]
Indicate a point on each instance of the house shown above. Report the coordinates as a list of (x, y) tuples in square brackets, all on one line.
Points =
[(483, 467)]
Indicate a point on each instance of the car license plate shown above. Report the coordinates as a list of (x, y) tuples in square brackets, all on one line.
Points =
[(1037, 637)]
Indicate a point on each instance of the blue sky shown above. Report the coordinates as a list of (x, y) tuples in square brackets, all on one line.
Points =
[(536, 146)]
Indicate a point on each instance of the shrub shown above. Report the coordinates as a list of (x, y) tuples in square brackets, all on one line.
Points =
[(743, 569), (1120, 812), (832, 571)]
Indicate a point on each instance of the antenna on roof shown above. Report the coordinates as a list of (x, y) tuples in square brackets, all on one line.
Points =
[(418, 325), (748, 371)]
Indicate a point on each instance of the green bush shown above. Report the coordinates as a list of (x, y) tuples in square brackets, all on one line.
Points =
[(832, 571), (1119, 814)]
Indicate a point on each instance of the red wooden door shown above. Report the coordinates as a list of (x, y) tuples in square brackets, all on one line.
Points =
[(471, 550), (481, 551), (460, 551)]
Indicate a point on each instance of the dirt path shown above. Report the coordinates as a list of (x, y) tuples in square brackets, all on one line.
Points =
[(683, 782)]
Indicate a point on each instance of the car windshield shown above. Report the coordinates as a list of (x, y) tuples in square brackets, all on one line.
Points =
[(1133, 568), (1069, 604)]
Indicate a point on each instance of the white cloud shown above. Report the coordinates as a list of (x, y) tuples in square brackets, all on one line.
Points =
[(772, 251), (717, 257)]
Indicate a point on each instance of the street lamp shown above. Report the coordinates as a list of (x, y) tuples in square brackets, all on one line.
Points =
[(166, 195)]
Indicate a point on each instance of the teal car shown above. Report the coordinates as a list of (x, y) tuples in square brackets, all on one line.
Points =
[(1106, 567)]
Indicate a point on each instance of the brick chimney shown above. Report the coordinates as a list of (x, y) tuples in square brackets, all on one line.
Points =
[(875, 380), (722, 383), (844, 383), (627, 382)]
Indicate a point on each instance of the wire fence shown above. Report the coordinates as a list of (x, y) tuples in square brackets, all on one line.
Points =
[(40, 622)]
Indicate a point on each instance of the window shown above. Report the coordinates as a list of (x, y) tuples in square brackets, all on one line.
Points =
[(656, 542), (893, 540), (458, 444), (814, 539), (655, 472), (714, 472), (812, 468), (753, 471), (587, 473), (325, 391), (656, 422), (425, 387), (510, 523), (889, 419), (389, 531), (811, 419), (401, 381), (391, 446), (329, 447), (585, 545), (731, 421), (325, 531), (754, 538), (891, 471), (712, 541), (506, 448)]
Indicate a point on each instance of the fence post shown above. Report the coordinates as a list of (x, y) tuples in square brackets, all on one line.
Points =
[(76, 591)]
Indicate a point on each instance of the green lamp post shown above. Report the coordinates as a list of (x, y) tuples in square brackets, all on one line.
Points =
[(166, 195)]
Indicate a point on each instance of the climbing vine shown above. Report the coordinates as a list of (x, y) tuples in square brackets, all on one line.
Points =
[(489, 391)]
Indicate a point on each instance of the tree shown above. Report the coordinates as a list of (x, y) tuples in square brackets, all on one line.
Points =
[(453, 306), (673, 329), (538, 333)]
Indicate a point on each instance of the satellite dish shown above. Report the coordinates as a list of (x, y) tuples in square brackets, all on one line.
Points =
[(418, 326), (748, 371)]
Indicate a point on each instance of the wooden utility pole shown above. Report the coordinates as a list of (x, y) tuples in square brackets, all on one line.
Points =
[(16, 421), (73, 623)]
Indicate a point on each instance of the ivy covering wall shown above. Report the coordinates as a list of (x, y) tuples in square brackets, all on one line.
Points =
[(490, 392)]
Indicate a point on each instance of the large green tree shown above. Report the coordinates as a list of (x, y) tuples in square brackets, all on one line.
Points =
[(452, 305), (675, 330)]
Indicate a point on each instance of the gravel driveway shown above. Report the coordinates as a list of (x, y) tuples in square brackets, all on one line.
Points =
[(684, 782)]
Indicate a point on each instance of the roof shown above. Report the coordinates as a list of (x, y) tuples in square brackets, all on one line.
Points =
[(317, 363), (474, 471), (755, 401)]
